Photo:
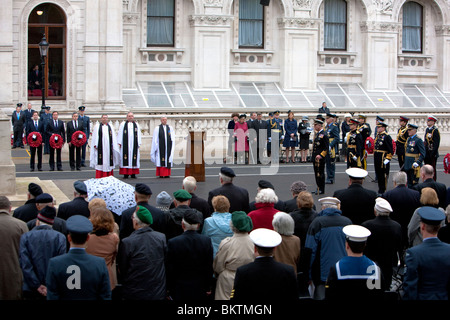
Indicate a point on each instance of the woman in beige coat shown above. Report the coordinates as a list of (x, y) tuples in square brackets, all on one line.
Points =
[(233, 252)]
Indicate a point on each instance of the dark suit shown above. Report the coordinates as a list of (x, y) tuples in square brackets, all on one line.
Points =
[(58, 129), (265, 280), (74, 152), (427, 274), (201, 205), (77, 276), (26, 212), (28, 115), (357, 203), (260, 133), (431, 142), (440, 188), (238, 197), (18, 122), (77, 206), (87, 130), (126, 222), (320, 147), (41, 129), (189, 266)]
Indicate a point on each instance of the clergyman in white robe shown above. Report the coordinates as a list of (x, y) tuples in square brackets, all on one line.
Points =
[(163, 147), (104, 164), (129, 140)]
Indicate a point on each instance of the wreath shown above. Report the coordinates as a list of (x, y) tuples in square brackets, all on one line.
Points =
[(369, 145), (78, 138), (56, 141), (447, 163), (34, 139)]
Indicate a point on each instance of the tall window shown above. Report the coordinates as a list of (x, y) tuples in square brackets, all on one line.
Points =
[(251, 24), (335, 25), (412, 27), (160, 22), (47, 19)]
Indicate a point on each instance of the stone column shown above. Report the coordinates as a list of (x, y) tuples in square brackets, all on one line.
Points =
[(211, 51), (299, 53), (443, 52), (7, 167), (6, 54)]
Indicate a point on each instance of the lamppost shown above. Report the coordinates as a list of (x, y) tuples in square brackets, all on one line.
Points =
[(43, 49)]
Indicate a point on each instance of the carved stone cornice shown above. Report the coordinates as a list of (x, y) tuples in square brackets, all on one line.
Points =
[(298, 23), (302, 4), (442, 30), (380, 26), (211, 20), (384, 6)]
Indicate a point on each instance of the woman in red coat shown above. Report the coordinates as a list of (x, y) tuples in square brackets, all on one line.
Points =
[(241, 137), (263, 215)]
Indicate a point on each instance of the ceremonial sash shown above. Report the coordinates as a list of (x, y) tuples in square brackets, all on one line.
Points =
[(162, 146), (125, 145), (100, 146)]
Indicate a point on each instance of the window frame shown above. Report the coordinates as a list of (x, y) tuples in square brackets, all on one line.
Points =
[(263, 20), (335, 23), (421, 51), (149, 45)]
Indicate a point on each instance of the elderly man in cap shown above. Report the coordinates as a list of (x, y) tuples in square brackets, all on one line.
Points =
[(319, 152), (414, 155), (325, 243), (354, 277), (384, 246), (238, 196), (402, 136), (357, 202), (77, 275), (427, 274), (29, 211), (189, 261), (141, 260), (79, 205), (142, 195), (264, 184), (36, 248), (264, 278), (432, 141), (46, 200)]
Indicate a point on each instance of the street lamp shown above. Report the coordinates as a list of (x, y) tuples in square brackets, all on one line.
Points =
[(43, 49)]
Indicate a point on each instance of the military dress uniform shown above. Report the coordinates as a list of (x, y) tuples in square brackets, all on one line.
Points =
[(365, 131), (432, 141), (87, 130), (46, 118), (274, 133), (320, 147), (333, 138), (355, 147), (382, 156), (402, 136), (414, 156)]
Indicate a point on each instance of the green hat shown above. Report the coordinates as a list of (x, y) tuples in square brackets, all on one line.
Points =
[(241, 221), (182, 195), (144, 215)]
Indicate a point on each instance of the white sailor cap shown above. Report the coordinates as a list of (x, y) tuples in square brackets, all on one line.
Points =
[(356, 173), (356, 233), (266, 238), (329, 200), (382, 205)]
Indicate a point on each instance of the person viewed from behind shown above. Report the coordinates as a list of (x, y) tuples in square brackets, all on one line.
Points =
[(288, 251)]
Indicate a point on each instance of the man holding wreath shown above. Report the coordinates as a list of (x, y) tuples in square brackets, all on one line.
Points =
[(34, 132), (76, 138)]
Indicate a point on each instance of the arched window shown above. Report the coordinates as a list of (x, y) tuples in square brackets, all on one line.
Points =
[(251, 24), (335, 25), (412, 27), (160, 22), (50, 20)]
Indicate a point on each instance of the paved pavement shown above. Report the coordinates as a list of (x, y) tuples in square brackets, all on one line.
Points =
[(60, 183)]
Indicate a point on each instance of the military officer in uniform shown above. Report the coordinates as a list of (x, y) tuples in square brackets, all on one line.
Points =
[(414, 155), (86, 129), (431, 141), (366, 131), (402, 136), (382, 156), (333, 137), (355, 145), (320, 149)]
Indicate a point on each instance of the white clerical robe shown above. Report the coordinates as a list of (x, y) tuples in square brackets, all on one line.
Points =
[(120, 141), (105, 166), (154, 153)]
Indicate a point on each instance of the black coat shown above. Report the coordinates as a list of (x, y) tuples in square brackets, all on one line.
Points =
[(26, 212), (238, 197), (201, 205), (18, 124), (77, 206), (357, 203), (70, 129), (59, 129), (265, 280), (440, 189), (31, 128), (126, 222)]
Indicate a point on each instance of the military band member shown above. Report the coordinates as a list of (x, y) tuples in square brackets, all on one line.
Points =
[(366, 131), (414, 155), (402, 136), (431, 141), (333, 137), (320, 149), (355, 145), (382, 156)]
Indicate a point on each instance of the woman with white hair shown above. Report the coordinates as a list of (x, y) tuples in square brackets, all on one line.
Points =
[(263, 215), (288, 251)]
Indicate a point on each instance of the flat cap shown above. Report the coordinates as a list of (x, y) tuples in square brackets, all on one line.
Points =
[(80, 187), (264, 184), (144, 215), (431, 215), (182, 195), (47, 215), (356, 173), (34, 189), (382, 205), (142, 188), (266, 238), (356, 233), (79, 224), (44, 198), (192, 216), (241, 221), (329, 200), (228, 172)]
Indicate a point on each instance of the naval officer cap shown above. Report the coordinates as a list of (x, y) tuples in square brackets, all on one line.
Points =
[(356, 233), (356, 173), (227, 172), (432, 118), (329, 200), (318, 121), (44, 198), (265, 238), (380, 118), (79, 224), (412, 126), (382, 124), (431, 215), (80, 187)]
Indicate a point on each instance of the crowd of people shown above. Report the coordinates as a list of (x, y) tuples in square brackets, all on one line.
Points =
[(355, 243)]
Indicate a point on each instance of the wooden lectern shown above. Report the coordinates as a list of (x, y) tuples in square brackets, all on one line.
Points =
[(195, 162)]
